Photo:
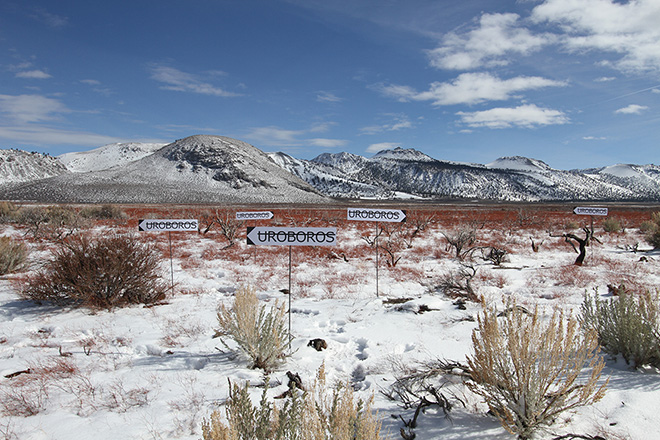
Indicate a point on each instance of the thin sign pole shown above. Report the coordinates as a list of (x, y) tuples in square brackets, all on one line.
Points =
[(376, 243), (290, 294), (169, 235)]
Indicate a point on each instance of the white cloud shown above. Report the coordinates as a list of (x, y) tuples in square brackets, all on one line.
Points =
[(33, 74), (53, 20), (525, 116), (471, 88), (179, 81), (30, 108), (375, 148), (629, 29), (496, 37), (594, 138), (632, 109), (605, 79)]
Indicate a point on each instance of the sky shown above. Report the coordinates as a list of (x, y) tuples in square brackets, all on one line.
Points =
[(575, 84)]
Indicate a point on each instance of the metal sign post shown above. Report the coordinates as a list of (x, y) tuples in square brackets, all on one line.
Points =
[(377, 215), (168, 226), (282, 236)]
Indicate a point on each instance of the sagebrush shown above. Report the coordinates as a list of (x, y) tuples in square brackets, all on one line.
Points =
[(13, 255), (628, 324), (105, 272), (259, 331), (529, 371), (313, 414)]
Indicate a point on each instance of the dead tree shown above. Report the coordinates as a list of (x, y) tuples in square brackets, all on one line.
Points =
[(582, 243)]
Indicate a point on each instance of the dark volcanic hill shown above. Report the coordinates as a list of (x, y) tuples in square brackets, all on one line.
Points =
[(197, 169)]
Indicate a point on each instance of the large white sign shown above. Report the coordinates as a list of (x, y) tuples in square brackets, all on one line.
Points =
[(590, 211), (254, 215), (376, 215), (278, 236), (168, 225)]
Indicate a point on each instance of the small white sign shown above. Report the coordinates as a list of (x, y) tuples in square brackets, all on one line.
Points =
[(276, 236), (168, 225), (254, 215), (584, 210), (376, 215)]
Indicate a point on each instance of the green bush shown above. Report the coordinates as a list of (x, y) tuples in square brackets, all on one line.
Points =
[(108, 272), (628, 325), (260, 332), (529, 371), (13, 255), (313, 414)]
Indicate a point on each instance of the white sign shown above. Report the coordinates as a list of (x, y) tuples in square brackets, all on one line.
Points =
[(254, 215), (168, 225), (276, 236), (376, 215), (590, 211)]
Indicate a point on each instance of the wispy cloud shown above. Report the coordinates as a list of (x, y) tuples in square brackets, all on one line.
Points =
[(52, 20), (273, 136), (33, 74), (594, 138), (23, 109), (495, 38), (327, 97), (525, 116), (43, 136), (375, 148), (632, 109), (471, 88), (398, 122), (179, 81)]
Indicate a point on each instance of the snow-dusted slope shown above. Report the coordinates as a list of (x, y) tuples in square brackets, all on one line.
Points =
[(107, 156), (197, 169), (18, 166)]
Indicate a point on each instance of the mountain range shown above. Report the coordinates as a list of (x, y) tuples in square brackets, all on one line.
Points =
[(217, 169)]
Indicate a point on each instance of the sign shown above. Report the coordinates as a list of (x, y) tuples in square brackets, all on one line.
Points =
[(254, 215), (590, 211), (376, 215), (168, 225), (279, 236)]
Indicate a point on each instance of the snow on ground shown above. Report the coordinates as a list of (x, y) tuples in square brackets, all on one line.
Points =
[(156, 373)]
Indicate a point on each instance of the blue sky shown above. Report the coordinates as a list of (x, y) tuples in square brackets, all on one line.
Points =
[(573, 83)]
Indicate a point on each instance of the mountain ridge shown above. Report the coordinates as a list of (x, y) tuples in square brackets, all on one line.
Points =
[(208, 168)]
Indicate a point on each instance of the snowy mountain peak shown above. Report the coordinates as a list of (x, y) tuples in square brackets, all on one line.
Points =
[(108, 156), (346, 162), (407, 154), (18, 166), (519, 163)]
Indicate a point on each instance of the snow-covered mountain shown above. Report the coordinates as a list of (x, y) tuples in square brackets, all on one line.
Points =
[(17, 166), (107, 156), (392, 173), (212, 169), (197, 169)]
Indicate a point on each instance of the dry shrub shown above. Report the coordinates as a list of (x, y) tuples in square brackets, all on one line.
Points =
[(260, 332), (529, 371), (652, 231), (13, 255), (314, 414), (103, 212), (628, 325), (109, 272)]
